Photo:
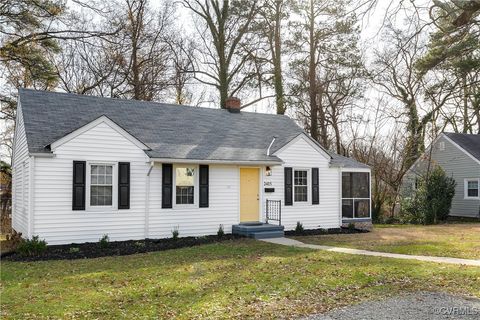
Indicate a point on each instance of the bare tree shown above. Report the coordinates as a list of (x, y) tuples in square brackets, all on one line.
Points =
[(224, 52), (272, 19)]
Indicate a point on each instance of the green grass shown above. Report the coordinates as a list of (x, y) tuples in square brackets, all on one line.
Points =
[(237, 279), (448, 240)]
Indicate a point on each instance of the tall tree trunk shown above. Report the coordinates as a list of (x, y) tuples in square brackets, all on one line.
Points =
[(466, 120), (277, 60), (322, 119), (415, 138), (312, 90)]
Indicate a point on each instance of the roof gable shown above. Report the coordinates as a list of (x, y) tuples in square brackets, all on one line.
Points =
[(315, 145), (468, 143), (93, 124)]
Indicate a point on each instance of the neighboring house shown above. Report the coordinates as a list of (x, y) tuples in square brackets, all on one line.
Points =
[(458, 154), (85, 166)]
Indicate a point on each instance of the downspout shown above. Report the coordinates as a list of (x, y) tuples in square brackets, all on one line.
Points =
[(31, 197), (147, 200), (271, 143), (340, 202)]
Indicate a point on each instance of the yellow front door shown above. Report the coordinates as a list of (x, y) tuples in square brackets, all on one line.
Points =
[(249, 194)]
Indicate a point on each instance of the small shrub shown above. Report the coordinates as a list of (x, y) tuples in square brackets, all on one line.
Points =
[(220, 232), (32, 247), (139, 244), (103, 242), (351, 226), (175, 233), (299, 228), (74, 250)]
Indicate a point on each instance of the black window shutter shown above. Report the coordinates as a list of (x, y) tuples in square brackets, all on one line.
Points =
[(288, 186), (78, 198), (203, 190), (167, 185), (315, 188), (124, 185)]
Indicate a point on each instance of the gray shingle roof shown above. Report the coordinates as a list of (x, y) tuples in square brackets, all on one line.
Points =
[(341, 161), (469, 142), (170, 131)]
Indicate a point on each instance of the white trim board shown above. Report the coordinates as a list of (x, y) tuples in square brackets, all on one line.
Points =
[(203, 161), (94, 123)]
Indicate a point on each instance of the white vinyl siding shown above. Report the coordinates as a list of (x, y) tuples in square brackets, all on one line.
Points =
[(20, 178), (54, 219), (301, 154), (223, 206)]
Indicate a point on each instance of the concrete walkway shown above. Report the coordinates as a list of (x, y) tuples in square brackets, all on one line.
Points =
[(299, 244)]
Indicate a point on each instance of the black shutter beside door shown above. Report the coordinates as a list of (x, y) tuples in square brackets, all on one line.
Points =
[(167, 185), (203, 190), (315, 187), (124, 185), (288, 186), (78, 196)]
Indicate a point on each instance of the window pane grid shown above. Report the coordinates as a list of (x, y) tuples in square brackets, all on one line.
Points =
[(101, 185), (472, 188), (184, 185), (300, 182)]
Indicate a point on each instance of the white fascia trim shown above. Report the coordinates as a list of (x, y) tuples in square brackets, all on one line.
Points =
[(15, 132), (309, 140), (41, 154), (459, 147), (199, 161), (94, 123)]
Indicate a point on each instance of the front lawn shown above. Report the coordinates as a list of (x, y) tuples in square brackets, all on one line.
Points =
[(235, 279), (448, 240)]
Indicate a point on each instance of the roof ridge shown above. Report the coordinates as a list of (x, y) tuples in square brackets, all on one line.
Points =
[(151, 103)]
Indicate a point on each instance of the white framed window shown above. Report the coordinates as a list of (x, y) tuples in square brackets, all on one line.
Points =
[(101, 186), (300, 185), (441, 145), (186, 182), (472, 188)]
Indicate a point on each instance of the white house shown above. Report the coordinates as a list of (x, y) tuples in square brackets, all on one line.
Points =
[(87, 166)]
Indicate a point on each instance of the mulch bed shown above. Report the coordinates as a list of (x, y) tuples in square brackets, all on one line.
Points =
[(315, 232), (116, 248)]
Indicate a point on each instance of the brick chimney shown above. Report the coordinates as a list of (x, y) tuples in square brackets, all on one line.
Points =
[(232, 104)]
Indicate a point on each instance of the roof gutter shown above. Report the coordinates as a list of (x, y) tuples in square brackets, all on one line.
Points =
[(42, 154), (203, 161)]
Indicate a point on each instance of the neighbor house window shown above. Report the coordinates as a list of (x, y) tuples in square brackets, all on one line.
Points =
[(185, 185), (355, 195), (471, 188), (300, 184), (101, 185)]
